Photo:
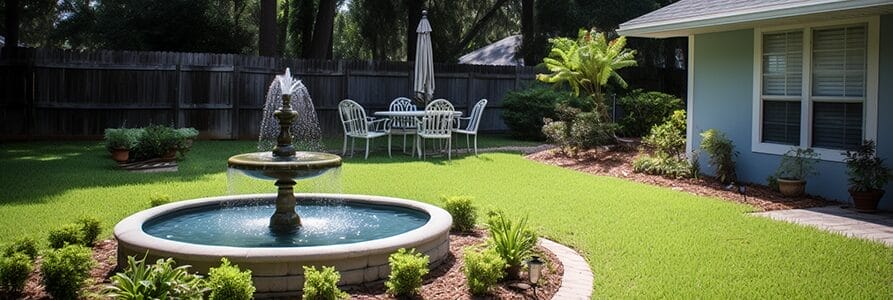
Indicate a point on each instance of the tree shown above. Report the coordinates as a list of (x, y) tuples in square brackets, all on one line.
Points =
[(528, 31), (413, 17), (267, 41), (11, 18), (322, 30)]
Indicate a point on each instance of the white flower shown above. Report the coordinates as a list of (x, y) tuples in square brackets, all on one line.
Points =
[(287, 83)]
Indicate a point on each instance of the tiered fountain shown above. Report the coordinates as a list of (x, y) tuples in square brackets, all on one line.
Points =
[(353, 233)]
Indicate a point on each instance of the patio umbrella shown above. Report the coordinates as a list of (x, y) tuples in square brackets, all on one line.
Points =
[(423, 85)]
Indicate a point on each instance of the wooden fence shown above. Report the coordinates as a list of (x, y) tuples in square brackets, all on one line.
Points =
[(49, 93)]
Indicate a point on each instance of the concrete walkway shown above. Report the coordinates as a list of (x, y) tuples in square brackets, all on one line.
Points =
[(875, 227), (576, 283)]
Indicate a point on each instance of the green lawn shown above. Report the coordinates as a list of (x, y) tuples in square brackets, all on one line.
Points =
[(641, 241)]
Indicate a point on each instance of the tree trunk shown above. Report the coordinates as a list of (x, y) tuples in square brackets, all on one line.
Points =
[(322, 30), (478, 27), (304, 22), (528, 32), (13, 14), (413, 17), (283, 28), (267, 41)]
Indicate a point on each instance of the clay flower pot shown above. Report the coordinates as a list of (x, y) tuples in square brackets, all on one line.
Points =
[(791, 187), (866, 201), (170, 154), (120, 155)]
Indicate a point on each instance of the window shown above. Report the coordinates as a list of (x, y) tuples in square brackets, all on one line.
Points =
[(782, 87), (839, 59)]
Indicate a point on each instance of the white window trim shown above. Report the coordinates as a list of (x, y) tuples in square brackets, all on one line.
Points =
[(871, 87), (690, 105)]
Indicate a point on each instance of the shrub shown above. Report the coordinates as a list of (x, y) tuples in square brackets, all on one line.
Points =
[(90, 229), (159, 281), (797, 164), (407, 269), (513, 241), (121, 138), (14, 271), (525, 110), (644, 110), (65, 271), (865, 169), (664, 165), (577, 129), (722, 154), (69, 234), (155, 142), (322, 284), (464, 214), (230, 283), (483, 269), (25, 245), (669, 137), (157, 199)]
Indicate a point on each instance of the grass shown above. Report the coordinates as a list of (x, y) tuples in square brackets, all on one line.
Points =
[(641, 241)]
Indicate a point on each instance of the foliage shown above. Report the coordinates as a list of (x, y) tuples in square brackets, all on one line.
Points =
[(68, 234), (525, 110), (322, 284), (157, 199), (586, 64), (14, 271), (578, 129), (483, 269), (644, 110), (865, 169), (121, 138), (463, 212), (664, 165), (24, 245), (230, 283), (407, 269), (797, 164), (668, 138), (90, 229), (155, 142), (722, 154), (65, 271), (186, 133), (513, 241), (158, 281)]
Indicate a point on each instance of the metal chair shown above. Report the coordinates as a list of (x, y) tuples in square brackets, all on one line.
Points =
[(357, 125), (403, 125), (473, 121), (436, 124)]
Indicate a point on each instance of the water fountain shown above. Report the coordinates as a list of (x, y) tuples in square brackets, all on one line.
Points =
[(265, 233)]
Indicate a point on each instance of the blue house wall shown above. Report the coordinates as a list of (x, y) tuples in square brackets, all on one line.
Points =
[(722, 98)]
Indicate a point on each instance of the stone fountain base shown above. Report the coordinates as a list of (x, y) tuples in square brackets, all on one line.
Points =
[(278, 271)]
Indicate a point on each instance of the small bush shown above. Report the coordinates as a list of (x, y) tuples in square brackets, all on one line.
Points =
[(644, 110), (229, 283), (121, 138), (513, 241), (90, 229), (69, 234), (65, 271), (579, 130), (157, 199), (722, 154), (322, 284), (159, 281), (407, 269), (668, 138), (483, 269), (669, 166), (25, 245), (155, 142), (463, 212), (525, 110), (14, 271)]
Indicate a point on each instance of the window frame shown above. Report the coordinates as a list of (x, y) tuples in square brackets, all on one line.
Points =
[(869, 126)]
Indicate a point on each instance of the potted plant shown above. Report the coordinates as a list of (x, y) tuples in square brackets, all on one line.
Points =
[(185, 138), (867, 176), (796, 165), (119, 141)]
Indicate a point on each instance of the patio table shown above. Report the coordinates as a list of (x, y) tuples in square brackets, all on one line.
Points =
[(412, 113)]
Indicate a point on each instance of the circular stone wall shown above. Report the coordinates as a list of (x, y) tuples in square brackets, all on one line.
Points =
[(278, 271)]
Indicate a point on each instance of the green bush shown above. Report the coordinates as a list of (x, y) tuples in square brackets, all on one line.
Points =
[(322, 284), (65, 271), (525, 110), (407, 269), (513, 241), (90, 229), (121, 138), (722, 154), (14, 271), (155, 142), (865, 170), (644, 110), (664, 165), (159, 281), (157, 199), (25, 245), (483, 269), (463, 212), (227, 282), (668, 138), (68, 234), (579, 130)]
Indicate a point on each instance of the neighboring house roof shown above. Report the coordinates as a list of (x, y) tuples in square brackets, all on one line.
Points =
[(500, 53), (700, 16)]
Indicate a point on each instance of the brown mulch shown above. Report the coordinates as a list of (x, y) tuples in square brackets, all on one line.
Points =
[(444, 282), (617, 162)]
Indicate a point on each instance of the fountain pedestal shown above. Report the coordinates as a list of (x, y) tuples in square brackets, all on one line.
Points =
[(285, 219)]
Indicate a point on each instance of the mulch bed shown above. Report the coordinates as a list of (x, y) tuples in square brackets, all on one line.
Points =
[(444, 282), (617, 162)]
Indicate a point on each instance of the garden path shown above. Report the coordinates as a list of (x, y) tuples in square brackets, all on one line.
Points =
[(876, 227)]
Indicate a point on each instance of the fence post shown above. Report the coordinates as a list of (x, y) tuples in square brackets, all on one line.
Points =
[(235, 105), (178, 97), (31, 96)]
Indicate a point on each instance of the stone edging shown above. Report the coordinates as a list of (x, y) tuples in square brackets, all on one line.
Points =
[(576, 282)]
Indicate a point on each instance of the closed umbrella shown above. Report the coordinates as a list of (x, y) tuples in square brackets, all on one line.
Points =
[(423, 85)]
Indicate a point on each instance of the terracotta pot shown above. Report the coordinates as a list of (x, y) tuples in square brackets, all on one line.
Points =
[(171, 154), (120, 155), (866, 201), (791, 187)]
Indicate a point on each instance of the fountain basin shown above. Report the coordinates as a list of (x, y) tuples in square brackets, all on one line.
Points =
[(277, 270), (264, 165)]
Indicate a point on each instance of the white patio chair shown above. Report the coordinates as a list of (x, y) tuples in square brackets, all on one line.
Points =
[(357, 125), (403, 125), (472, 123), (436, 124)]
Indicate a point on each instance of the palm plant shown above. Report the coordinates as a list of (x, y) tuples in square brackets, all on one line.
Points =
[(588, 63), (513, 241)]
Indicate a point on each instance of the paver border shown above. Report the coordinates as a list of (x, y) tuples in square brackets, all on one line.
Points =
[(577, 280)]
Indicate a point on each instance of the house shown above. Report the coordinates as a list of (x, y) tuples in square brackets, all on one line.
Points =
[(500, 53), (777, 74)]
